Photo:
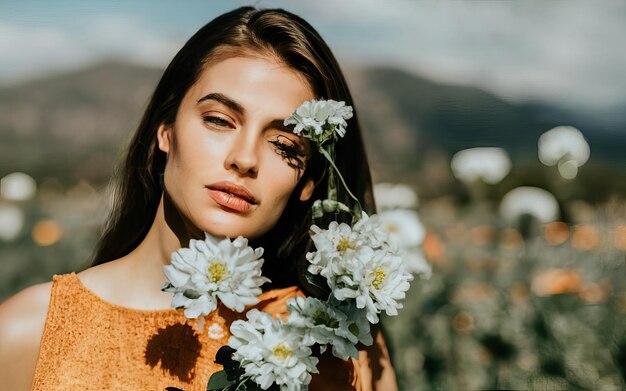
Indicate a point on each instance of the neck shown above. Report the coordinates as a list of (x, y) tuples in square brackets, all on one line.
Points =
[(167, 234)]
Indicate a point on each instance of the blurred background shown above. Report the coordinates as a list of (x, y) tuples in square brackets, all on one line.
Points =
[(497, 137)]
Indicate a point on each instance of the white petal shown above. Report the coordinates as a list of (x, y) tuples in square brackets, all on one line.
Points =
[(175, 276)]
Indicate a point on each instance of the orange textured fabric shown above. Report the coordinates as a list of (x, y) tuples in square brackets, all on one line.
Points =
[(91, 344)]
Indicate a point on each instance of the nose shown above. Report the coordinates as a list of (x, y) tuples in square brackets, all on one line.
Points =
[(242, 155)]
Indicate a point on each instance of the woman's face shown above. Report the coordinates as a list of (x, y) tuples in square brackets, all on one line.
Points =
[(229, 131)]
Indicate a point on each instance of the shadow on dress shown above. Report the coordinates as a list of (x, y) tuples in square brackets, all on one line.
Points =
[(177, 347)]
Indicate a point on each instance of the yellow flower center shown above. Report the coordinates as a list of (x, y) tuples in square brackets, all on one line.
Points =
[(379, 277), (344, 244), (282, 351), (217, 270)]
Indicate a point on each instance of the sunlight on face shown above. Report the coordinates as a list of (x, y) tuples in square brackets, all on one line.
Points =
[(229, 129)]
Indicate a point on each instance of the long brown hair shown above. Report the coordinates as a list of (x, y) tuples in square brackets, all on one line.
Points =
[(252, 32)]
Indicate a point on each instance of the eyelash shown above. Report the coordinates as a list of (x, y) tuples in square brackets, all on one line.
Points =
[(287, 151), (216, 120)]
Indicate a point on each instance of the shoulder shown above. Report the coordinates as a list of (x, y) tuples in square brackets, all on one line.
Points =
[(112, 281), (22, 320), (24, 313)]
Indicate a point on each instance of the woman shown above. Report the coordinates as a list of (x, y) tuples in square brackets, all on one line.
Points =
[(213, 128)]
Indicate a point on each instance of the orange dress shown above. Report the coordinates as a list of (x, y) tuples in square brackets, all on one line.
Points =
[(91, 344)]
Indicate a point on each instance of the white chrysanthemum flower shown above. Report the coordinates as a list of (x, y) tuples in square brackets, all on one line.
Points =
[(376, 280), (565, 147), (337, 242), (271, 352), (372, 231), (337, 245), (320, 119), (361, 263), (534, 201), (404, 227), (406, 230), (563, 143), (394, 195), (323, 324), (491, 164), (212, 269)]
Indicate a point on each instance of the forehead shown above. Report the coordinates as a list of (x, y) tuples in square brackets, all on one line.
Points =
[(260, 85)]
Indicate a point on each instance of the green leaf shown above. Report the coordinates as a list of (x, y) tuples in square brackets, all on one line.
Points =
[(232, 368), (218, 381)]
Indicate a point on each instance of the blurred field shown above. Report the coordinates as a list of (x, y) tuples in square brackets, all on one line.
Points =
[(516, 304), (516, 300)]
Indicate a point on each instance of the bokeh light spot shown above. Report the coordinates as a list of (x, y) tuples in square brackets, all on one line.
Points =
[(556, 232), (47, 232)]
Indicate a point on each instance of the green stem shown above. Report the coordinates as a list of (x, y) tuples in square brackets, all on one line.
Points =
[(330, 160)]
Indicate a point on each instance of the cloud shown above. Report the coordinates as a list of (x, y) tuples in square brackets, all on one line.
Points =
[(570, 52), (33, 51)]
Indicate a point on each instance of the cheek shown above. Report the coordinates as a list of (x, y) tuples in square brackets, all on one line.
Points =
[(281, 181), (193, 157)]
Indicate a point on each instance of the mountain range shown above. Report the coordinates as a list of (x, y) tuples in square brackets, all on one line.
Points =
[(73, 125)]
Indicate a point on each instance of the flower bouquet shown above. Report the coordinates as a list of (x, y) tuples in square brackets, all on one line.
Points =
[(357, 264)]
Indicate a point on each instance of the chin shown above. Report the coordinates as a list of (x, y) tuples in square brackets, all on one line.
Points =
[(226, 224), (225, 228)]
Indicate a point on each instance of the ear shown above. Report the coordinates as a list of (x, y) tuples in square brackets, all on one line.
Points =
[(164, 137), (307, 190)]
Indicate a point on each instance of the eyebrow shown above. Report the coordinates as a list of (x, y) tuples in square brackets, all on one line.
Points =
[(277, 123), (226, 101)]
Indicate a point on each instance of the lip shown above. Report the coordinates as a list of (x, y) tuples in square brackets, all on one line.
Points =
[(232, 196)]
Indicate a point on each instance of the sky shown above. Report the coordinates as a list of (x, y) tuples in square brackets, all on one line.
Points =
[(569, 52)]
